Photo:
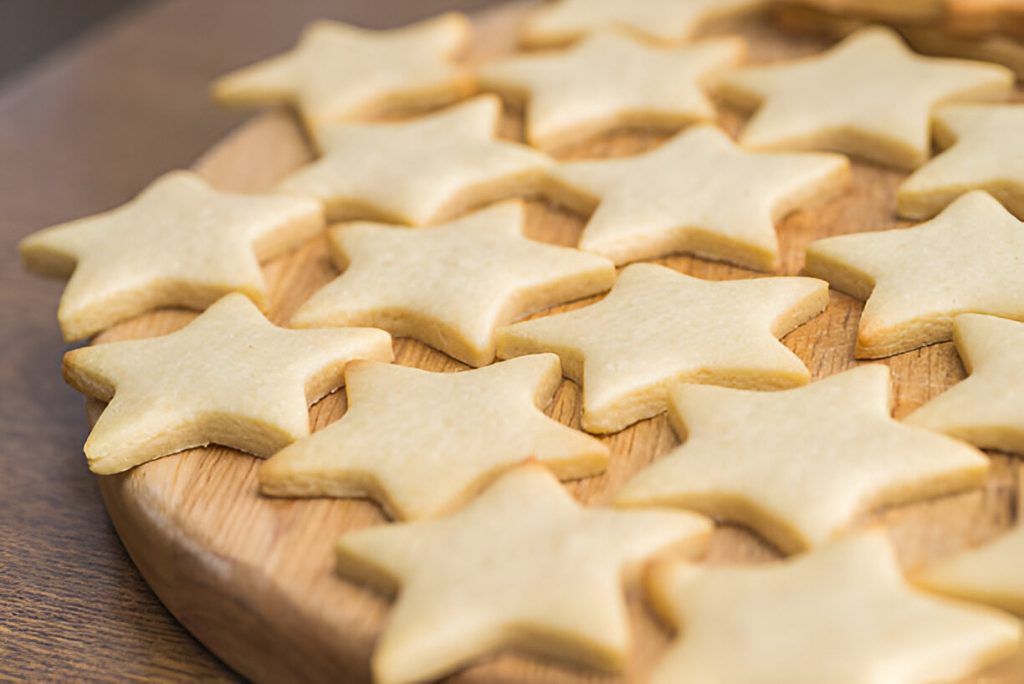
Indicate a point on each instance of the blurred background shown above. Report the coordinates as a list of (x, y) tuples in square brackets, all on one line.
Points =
[(29, 29)]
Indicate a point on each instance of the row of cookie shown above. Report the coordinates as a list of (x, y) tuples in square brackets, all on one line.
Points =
[(680, 197), (231, 378), (832, 101), (524, 567), (969, 18), (253, 399)]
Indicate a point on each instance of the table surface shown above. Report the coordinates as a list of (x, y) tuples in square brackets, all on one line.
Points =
[(81, 132)]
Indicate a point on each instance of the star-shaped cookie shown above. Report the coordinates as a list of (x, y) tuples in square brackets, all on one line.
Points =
[(610, 80), (986, 409), (422, 443), (660, 21), (682, 197), (986, 152), (522, 567), (451, 285), (798, 466), (179, 243), (420, 171), (229, 377), (659, 327), (968, 259), (338, 71), (843, 614), (869, 96), (990, 573)]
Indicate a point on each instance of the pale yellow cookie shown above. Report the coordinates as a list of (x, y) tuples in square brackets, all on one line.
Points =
[(422, 443), (419, 171), (986, 152), (799, 466), (229, 377), (659, 327), (992, 573), (451, 285), (179, 243), (610, 80), (996, 48), (523, 567), (968, 259), (869, 96), (700, 194), (986, 409), (661, 21), (338, 71), (843, 614)]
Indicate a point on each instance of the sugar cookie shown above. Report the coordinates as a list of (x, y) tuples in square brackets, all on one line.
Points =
[(985, 152), (422, 443), (968, 259), (659, 327), (229, 377), (986, 409), (339, 71), (798, 466), (869, 96), (661, 21), (179, 243), (523, 567), (450, 286), (843, 614), (682, 197), (419, 171), (610, 80)]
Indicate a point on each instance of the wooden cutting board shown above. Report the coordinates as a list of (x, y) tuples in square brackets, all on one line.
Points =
[(252, 577)]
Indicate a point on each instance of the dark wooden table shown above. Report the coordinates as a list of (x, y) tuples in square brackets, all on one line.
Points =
[(81, 132)]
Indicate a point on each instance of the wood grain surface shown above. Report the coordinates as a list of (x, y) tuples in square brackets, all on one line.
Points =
[(252, 577), (81, 131)]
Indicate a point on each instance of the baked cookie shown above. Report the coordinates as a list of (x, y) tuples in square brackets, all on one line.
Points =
[(897, 11), (986, 16), (339, 71), (754, 457), (610, 80), (869, 96), (419, 171), (843, 614), (421, 444), (986, 409), (179, 243), (451, 285), (682, 197), (968, 259), (522, 567), (229, 377), (667, 22), (990, 573), (659, 327), (985, 152)]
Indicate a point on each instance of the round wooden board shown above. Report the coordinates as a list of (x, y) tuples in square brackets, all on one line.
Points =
[(252, 577)]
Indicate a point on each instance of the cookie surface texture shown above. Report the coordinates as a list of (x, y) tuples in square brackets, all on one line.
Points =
[(419, 171), (968, 259), (659, 327), (869, 96), (986, 409), (785, 621), (684, 197), (985, 152), (522, 567), (450, 286), (800, 465), (179, 243), (422, 443), (610, 80), (229, 377), (342, 72)]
